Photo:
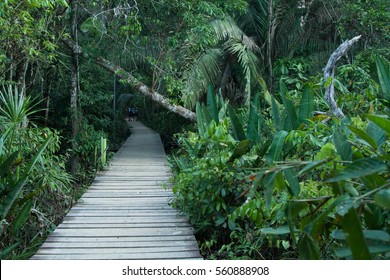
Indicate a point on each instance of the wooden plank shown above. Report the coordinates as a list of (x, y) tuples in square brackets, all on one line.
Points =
[(121, 244), (115, 232), (133, 239), (129, 225), (101, 251), (125, 214), (124, 256), (123, 220)]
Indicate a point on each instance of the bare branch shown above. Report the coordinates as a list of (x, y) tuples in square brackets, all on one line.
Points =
[(329, 71)]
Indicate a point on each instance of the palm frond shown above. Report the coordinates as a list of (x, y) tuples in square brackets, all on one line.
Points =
[(226, 28), (248, 62), (203, 71)]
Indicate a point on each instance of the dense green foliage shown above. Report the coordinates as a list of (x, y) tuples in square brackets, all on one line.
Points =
[(307, 187), (266, 172)]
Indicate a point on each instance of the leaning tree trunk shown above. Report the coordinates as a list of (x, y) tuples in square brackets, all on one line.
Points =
[(74, 89), (139, 86), (145, 90), (329, 72)]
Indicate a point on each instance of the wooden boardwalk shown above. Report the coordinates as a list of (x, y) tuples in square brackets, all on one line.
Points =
[(125, 213)]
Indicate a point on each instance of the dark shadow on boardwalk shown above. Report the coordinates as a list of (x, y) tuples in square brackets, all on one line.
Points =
[(125, 213)]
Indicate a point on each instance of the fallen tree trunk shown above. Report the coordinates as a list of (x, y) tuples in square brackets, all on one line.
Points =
[(329, 71), (139, 86), (145, 90)]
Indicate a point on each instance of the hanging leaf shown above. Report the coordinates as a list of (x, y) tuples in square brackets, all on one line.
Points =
[(252, 132), (360, 168), (306, 107), (275, 151), (363, 135), (343, 147), (354, 235), (382, 198), (212, 104), (275, 114), (23, 214), (206, 115), (384, 76), (376, 133), (238, 130), (292, 118), (293, 183), (380, 121), (200, 120)]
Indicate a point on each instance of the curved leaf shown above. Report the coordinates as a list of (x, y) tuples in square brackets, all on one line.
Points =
[(275, 151), (382, 198), (306, 107), (360, 168)]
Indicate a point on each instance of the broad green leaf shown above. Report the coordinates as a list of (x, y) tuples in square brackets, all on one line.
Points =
[(292, 118), (376, 133), (369, 234), (238, 130), (373, 249), (382, 198), (200, 120), (363, 135), (306, 107), (252, 132), (275, 114), (343, 147), (354, 235), (360, 168), (206, 116), (293, 183), (269, 185), (212, 104), (276, 231), (308, 248), (384, 76), (380, 121), (275, 151), (8, 250), (23, 214)]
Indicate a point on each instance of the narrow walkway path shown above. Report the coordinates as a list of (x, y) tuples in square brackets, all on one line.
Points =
[(125, 213)]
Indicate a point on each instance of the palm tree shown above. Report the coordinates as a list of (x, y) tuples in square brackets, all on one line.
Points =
[(246, 46)]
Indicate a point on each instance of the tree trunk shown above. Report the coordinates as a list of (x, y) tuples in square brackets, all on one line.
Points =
[(21, 72), (270, 36), (139, 86), (329, 71), (74, 89), (145, 90)]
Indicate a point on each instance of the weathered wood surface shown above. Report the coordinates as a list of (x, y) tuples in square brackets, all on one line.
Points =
[(125, 214)]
